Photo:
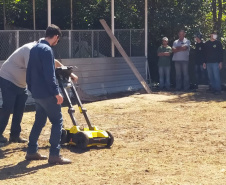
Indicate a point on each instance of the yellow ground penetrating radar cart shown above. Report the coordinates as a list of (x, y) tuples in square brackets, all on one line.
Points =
[(81, 137)]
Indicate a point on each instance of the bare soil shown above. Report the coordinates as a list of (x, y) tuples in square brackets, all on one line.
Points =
[(160, 138)]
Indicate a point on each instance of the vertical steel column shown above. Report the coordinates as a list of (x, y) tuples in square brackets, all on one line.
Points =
[(130, 43), (34, 22), (69, 42), (49, 12), (146, 41), (17, 39), (4, 15), (113, 26), (146, 28), (71, 14), (92, 42)]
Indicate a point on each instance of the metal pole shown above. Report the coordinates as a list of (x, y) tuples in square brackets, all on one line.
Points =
[(34, 22), (146, 28), (92, 42), (49, 12), (71, 14), (17, 39), (113, 26), (4, 16), (146, 41), (69, 41)]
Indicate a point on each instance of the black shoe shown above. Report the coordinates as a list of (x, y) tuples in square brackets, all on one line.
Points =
[(35, 156), (58, 160), (3, 139), (17, 140)]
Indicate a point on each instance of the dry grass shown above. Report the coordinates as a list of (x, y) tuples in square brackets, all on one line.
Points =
[(160, 138)]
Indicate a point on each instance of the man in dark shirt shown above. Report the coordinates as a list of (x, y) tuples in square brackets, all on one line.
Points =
[(200, 72), (164, 52), (41, 81), (213, 62)]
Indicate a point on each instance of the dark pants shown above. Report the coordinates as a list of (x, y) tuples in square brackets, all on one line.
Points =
[(201, 74), (214, 76), (14, 99), (46, 107), (164, 77)]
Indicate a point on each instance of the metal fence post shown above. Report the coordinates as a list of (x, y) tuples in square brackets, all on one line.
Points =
[(92, 35), (79, 42), (98, 42), (69, 42), (17, 39), (130, 43)]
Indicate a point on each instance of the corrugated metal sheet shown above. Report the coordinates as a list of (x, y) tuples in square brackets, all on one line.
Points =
[(101, 76)]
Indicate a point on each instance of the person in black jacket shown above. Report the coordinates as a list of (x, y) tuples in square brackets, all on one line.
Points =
[(213, 62), (200, 72)]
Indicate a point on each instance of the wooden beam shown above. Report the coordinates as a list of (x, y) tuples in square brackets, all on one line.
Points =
[(125, 56)]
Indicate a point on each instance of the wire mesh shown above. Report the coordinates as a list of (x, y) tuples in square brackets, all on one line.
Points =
[(102, 44), (29, 36), (76, 43), (7, 44), (61, 50), (124, 38), (137, 43), (81, 44)]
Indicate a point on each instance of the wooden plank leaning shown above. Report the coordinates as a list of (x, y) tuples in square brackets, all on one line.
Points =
[(125, 56)]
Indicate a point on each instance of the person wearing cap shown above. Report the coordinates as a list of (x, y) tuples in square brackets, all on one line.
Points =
[(181, 49), (200, 72), (164, 52), (213, 62)]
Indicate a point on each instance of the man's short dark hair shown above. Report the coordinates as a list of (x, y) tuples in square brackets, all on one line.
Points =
[(53, 30), (182, 30)]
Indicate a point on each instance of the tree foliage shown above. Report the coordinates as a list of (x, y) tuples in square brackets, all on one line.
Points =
[(166, 17)]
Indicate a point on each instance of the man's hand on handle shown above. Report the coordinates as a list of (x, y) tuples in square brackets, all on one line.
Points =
[(74, 77), (204, 65), (220, 65), (60, 99)]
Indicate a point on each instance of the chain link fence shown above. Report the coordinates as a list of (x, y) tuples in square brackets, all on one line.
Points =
[(76, 43)]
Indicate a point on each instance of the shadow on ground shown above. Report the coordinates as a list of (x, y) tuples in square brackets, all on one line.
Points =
[(77, 150), (19, 170), (183, 97)]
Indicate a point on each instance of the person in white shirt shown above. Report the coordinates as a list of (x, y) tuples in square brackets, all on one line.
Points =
[(181, 48)]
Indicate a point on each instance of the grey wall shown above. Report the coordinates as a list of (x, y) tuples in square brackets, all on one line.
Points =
[(101, 76)]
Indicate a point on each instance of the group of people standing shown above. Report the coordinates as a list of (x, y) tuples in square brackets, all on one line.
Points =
[(208, 62)]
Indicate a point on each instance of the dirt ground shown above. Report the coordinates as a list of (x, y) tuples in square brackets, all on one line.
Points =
[(160, 138)]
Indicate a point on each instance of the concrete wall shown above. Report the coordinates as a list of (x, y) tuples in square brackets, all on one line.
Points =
[(101, 76)]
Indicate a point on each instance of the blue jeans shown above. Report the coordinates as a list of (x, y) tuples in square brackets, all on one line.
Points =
[(181, 67), (14, 99), (46, 107), (214, 76), (164, 77), (201, 75)]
